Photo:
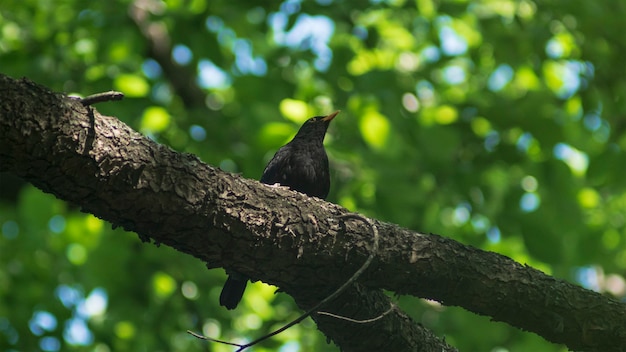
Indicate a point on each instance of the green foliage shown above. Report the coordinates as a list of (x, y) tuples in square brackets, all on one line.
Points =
[(497, 123)]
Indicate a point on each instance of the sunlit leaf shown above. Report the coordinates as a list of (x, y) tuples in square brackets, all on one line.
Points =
[(295, 110), (481, 126), (446, 114), (275, 134), (76, 254), (374, 128), (155, 119), (426, 8), (133, 86), (588, 198), (163, 285), (526, 78), (125, 330)]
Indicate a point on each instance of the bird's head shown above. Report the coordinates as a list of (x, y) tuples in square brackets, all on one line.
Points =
[(315, 127)]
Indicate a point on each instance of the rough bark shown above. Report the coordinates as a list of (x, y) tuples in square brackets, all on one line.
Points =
[(282, 237)]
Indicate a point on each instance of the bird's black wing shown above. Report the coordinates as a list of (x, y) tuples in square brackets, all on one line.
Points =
[(311, 176), (278, 168), (299, 170)]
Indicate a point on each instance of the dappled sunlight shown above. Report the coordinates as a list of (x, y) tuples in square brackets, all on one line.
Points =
[(500, 77), (295, 110), (374, 128), (443, 115), (562, 45), (452, 44), (588, 198), (197, 133), (76, 254), (163, 285), (182, 54), (308, 32), (211, 76), (497, 123), (529, 183), (10, 229), (94, 305), (574, 158), (133, 86), (77, 333), (562, 77), (410, 102), (454, 74), (57, 223), (529, 202), (155, 119), (494, 235)]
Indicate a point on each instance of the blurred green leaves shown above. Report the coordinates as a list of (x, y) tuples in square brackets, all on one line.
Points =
[(133, 86), (374, 128), (497, 123), (163, 285), (155, 119), (295, 110)]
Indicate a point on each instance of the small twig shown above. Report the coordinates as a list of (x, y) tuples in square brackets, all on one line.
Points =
[(202, 337), (364, 321), (329, 298), (101, 97)]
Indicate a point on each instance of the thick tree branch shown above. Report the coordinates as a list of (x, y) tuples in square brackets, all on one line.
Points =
[(119, 175), (283, 237)]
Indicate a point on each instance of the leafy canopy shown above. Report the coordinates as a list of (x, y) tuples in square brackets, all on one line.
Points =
[(498, 123)]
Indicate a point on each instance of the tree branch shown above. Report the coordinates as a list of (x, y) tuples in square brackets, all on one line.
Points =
[(282, 237)]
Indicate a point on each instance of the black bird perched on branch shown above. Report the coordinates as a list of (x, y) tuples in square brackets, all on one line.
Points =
[(302, 165)]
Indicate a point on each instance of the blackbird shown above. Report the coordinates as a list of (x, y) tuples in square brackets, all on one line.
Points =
[(301, 165)]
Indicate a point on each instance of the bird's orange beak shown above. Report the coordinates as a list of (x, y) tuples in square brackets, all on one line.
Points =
[(328, 118)]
